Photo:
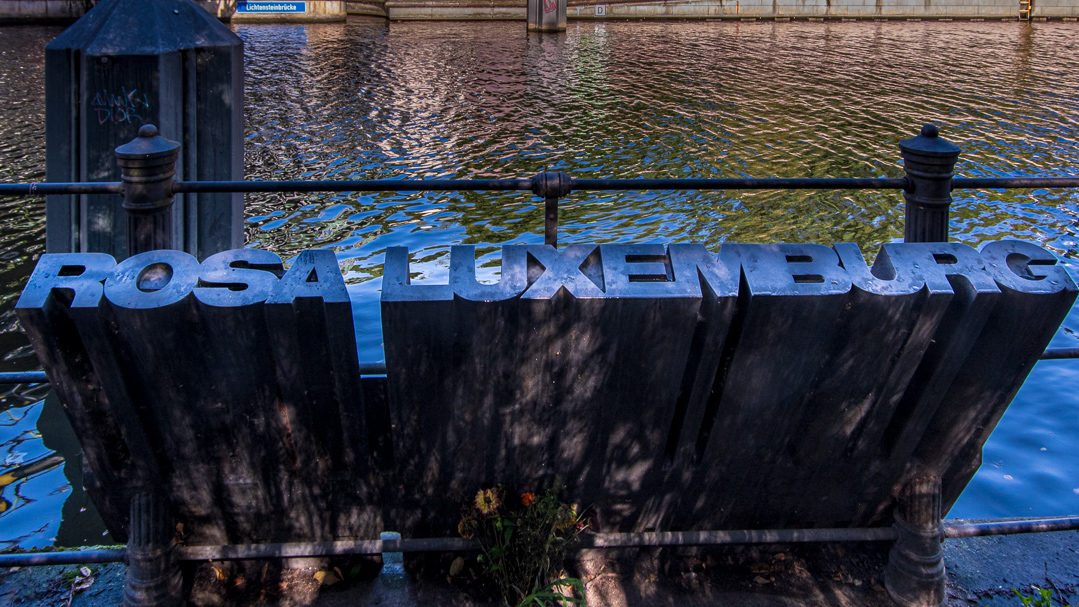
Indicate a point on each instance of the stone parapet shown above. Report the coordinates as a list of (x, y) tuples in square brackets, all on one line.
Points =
[(41, 10), (462, 10), (864, 9), (369, 8)]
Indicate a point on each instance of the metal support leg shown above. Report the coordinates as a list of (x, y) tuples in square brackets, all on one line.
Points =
[(550, 187), (915, 572), (550, 223), (153, 572)]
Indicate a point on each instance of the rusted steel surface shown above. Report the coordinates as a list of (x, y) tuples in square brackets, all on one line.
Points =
[(669, 387), (245, 406)]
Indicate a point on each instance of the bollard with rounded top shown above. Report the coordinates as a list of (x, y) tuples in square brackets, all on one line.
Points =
[(147, 168), (153, 571), (551, 186), (929, 162), (914, 576)]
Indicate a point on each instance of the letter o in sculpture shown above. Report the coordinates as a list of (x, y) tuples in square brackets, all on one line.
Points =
[(152, 279)]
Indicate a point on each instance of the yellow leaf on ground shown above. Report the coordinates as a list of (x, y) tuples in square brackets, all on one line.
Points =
[(457, 566), (327, 578)]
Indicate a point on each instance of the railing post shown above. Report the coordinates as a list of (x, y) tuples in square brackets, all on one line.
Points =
[(147, 167), (153, 571), (550, 187), (914, 575), (928, 161)]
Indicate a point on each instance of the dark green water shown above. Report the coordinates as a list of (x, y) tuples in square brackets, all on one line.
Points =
[(366, 100)]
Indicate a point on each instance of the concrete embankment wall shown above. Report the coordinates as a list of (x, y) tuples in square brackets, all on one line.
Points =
[(739, 9), (325, 10), (41, 10), (771, 9)]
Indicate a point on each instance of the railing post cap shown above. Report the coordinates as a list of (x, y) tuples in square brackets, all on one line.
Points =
[(147, 145), (548, 184), (928, 143)]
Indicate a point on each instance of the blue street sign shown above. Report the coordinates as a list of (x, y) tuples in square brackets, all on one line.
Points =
[(271, 7)]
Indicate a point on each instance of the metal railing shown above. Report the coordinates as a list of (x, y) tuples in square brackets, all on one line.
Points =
[(147, 166)]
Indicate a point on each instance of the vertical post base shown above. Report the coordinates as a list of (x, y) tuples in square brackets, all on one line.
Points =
[(914, 575), (153, 572)]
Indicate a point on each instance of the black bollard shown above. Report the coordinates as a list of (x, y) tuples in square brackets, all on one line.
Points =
[(928, 161), (153, 571), (914, 576), (147, 168)]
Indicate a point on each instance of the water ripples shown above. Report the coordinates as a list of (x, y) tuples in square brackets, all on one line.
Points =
[(367, 100)]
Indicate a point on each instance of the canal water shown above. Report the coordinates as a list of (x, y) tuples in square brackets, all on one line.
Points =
[(367, 100)]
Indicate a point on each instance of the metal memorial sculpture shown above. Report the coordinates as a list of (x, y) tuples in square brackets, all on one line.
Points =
[(230, 386), (784, 385), (768, 386)]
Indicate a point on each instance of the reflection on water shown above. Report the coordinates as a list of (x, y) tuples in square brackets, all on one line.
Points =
[(367, 100)]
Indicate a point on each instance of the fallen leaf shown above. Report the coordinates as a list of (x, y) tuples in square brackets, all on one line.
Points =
[(779, 557), (82, 583), (857, 582), (327, 578), (85, 572), (220, 573), (760, 568), (761, 580), (457, 566)]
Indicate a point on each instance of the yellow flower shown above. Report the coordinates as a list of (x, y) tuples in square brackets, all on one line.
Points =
[(487, 501), (527, 499), (467, 527)]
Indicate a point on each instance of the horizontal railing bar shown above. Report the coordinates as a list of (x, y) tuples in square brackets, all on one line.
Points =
[(952, 530), (48, 189), (381, 185), (24, 377), (1059, 354), (379, 368), (69, 557), (955, 530), (435, 185), (1005, 183), (871, 183), (372, 368), (39, 377)]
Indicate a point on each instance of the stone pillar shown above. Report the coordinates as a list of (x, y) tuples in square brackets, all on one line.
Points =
[(928, 161), (546, 15), (126, 64)]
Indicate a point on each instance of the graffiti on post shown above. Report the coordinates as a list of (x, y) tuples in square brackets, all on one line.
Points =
[(550, 6), (122, 107)]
